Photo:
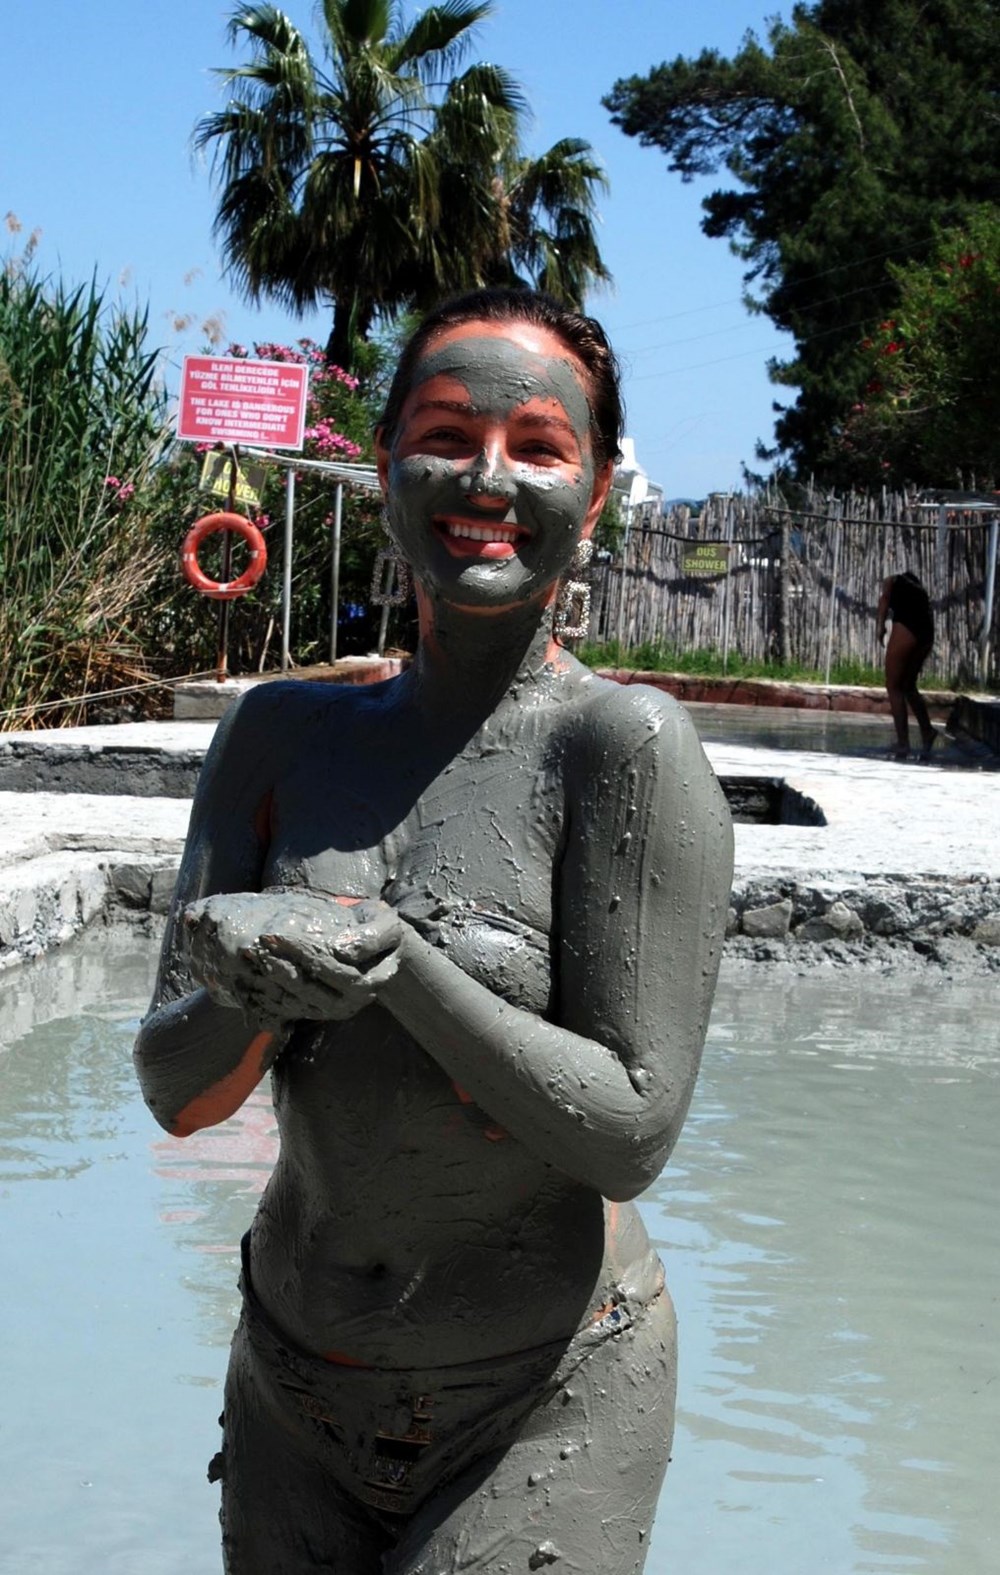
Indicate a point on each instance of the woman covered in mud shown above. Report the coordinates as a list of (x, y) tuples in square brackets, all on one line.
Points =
[(470, 919)]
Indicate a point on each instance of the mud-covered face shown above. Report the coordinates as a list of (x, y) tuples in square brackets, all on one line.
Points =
[(490, 478)]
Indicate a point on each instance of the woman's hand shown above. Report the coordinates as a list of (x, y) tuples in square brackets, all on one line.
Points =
[(282, 955)]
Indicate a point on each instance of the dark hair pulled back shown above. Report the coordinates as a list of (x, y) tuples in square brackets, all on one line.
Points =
[(583, 336)]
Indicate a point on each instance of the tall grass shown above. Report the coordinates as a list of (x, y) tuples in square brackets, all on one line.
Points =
[(80, 403)]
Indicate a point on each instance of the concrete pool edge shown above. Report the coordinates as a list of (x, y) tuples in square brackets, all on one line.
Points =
[(897, 857), (781, 916)]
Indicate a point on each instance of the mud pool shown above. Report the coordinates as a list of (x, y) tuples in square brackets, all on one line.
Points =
[(826, 733), (828, 1221)]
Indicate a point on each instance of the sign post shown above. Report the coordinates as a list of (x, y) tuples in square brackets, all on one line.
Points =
[(226, 400), (705, 559), (232, 400)]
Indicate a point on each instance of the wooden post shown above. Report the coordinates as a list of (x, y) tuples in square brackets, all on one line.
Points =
[(991, 573), (727, 594), (837, 529), (784, 593)]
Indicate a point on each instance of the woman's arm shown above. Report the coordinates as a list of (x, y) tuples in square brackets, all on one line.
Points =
[(198, 1059), (642, 896), (882, 611), (241, 966)]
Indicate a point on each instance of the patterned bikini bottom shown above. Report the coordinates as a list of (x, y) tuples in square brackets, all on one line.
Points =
[(391, 1437)]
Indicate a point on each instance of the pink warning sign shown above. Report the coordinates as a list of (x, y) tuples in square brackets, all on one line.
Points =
[(225, 400)]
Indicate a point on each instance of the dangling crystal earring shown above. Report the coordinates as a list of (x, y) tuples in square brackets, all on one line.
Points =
[(572, 614), (392, 589)]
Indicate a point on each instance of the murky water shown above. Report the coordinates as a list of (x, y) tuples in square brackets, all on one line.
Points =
[(829, 1223), (826, 733)]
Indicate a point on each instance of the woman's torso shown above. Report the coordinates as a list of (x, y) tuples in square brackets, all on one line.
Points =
[(910, 606), (402, 1226)]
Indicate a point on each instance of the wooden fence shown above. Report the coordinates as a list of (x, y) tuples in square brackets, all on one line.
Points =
[(803, 582)]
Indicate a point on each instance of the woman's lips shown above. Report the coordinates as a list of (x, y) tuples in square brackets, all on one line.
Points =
[(480, 539)]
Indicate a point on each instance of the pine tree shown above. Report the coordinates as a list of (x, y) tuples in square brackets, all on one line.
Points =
[(860, 128)]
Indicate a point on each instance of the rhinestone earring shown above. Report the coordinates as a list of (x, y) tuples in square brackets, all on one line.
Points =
[(572, 614), (392, 588)]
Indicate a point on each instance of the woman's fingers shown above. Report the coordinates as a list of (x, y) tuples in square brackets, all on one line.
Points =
[(292, 954)]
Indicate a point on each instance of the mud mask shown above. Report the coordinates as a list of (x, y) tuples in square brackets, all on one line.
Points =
[(547, 504)]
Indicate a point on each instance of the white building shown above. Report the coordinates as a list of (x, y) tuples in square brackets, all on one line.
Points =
[(631, 485)]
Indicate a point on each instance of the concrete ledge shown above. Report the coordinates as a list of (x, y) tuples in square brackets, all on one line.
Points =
[(48, 764), (978, 719), (914, 909), (777, 918), (48, 900), (774, 692), (206, 699)]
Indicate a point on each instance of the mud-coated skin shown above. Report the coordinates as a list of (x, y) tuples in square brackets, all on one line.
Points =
[(471, 919), (541, 1495)]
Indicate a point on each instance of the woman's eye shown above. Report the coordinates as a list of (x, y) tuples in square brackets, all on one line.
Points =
[(446, 435)]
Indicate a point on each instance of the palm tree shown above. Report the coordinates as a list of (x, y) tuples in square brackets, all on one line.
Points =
[(506, 218), (379, 178), (547, 205)]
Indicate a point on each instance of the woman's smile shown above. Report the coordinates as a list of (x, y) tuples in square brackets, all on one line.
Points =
[(480, 538), (490, 474)]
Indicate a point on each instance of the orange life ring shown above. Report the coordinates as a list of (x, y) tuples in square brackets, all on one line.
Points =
[(208, 525)]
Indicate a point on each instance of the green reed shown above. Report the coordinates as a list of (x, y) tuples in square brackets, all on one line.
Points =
[(82, 425)]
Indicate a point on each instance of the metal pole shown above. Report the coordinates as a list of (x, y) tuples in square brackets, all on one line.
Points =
[(286, 577), (833, 593), (338, 510), (383, 623)]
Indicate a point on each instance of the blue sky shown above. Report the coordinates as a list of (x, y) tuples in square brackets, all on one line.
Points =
[(96, 116)]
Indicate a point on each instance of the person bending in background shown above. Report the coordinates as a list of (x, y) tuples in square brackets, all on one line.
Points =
[(906, 604)]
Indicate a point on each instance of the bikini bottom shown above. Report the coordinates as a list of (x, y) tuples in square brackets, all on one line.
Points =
[(392, 1437)]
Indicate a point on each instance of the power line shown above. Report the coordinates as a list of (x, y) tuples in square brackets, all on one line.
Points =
[(739, 300), (740, 355)]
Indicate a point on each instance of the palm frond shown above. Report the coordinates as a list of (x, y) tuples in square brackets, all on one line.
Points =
[(439, 39)]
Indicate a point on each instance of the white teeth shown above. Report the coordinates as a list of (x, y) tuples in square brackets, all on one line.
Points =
[(510, 518), (481, 532)]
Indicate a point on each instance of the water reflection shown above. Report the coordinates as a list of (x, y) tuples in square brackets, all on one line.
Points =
[(829, 1229), (211, 1183), (828, 1222), (824, 732)]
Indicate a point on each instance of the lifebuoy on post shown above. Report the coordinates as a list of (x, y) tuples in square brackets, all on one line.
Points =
[(209, 525)]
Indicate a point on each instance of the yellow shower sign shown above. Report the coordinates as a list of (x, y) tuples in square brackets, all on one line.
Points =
[(217, 471)]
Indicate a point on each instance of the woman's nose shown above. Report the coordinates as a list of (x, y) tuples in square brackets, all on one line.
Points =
[(488, 477)]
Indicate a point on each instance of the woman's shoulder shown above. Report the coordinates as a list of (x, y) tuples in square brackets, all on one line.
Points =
[(629, 736), (284, 705), (626, 719), (279, 720)]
